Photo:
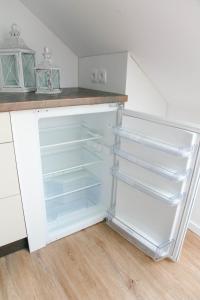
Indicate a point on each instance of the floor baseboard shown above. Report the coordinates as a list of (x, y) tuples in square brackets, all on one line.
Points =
[(194, 227), (13, 247)]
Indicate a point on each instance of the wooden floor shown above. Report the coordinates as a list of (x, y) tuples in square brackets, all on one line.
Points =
[(97, 263)]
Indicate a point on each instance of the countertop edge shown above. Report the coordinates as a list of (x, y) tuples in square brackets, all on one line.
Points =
[(53, 103)]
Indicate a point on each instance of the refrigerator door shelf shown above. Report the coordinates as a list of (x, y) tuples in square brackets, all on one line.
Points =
[(154, 143), (168, 173), (168, 198), (145, 244)]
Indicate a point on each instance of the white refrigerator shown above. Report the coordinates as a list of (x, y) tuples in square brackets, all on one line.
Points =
[(80, 165)]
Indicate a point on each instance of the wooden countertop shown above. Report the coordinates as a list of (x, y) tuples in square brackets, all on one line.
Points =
[(68, 97)]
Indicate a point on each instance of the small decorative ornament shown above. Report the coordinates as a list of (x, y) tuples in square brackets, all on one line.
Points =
[(17, 63), (47, 76)]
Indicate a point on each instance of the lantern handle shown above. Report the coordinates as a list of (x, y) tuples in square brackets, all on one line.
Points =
[(15, 31)]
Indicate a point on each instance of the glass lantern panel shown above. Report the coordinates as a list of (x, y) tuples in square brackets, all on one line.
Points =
[(28, 63), (43, 79), (56, 79), (10, 70), (48, 79)]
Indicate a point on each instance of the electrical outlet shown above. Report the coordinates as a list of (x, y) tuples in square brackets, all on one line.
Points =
[(102, 76), (94, 76)]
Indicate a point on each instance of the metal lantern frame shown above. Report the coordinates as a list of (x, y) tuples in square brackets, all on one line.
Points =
[(17, 63), (47, 75), (21, 86), (50, 88)]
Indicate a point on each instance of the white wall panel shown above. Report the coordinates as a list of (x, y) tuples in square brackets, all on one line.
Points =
[(115, 65), (143, 95)]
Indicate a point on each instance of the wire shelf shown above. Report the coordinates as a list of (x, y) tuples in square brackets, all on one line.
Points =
[(68, 183), (66, 135), (68, 160)]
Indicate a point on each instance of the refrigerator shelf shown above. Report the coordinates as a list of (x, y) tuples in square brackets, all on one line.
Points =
[(151, 248), (66, 135), (170, 174), (68, 183), (153, 143), (168, 198), (68, 160)]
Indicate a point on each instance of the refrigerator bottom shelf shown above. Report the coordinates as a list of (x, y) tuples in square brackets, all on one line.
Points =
[(64, 229), (67, 213), (150, 248)]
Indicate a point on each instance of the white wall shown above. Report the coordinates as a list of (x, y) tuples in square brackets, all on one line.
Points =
[(123, 76), (115, 65), (143, 95), (37, 35), (188, 113), (163, 35)]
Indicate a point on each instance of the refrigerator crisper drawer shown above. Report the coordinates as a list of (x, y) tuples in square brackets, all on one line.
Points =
[(65, 213), (150, 248)]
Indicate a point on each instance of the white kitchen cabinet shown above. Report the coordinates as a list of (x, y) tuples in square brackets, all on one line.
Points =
[(8, 172), (79, 165), (12, 220), (11, 212), (5, 128)]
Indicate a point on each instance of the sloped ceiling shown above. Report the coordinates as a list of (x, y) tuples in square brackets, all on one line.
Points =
[(163, 35)]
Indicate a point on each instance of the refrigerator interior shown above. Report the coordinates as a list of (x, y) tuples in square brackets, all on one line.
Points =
[(152, 174), (76, 155)]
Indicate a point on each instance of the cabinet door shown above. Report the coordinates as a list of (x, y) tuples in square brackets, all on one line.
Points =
[(155, 176), (12, 220), (9, 185), (5, 128)]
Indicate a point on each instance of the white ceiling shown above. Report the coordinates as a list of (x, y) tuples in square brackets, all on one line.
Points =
[(163, 35)]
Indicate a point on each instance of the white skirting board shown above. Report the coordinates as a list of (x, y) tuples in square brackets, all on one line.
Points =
[(194, 227)]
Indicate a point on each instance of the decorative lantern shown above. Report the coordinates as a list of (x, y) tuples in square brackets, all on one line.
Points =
[(17, 63), (47, 76)]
